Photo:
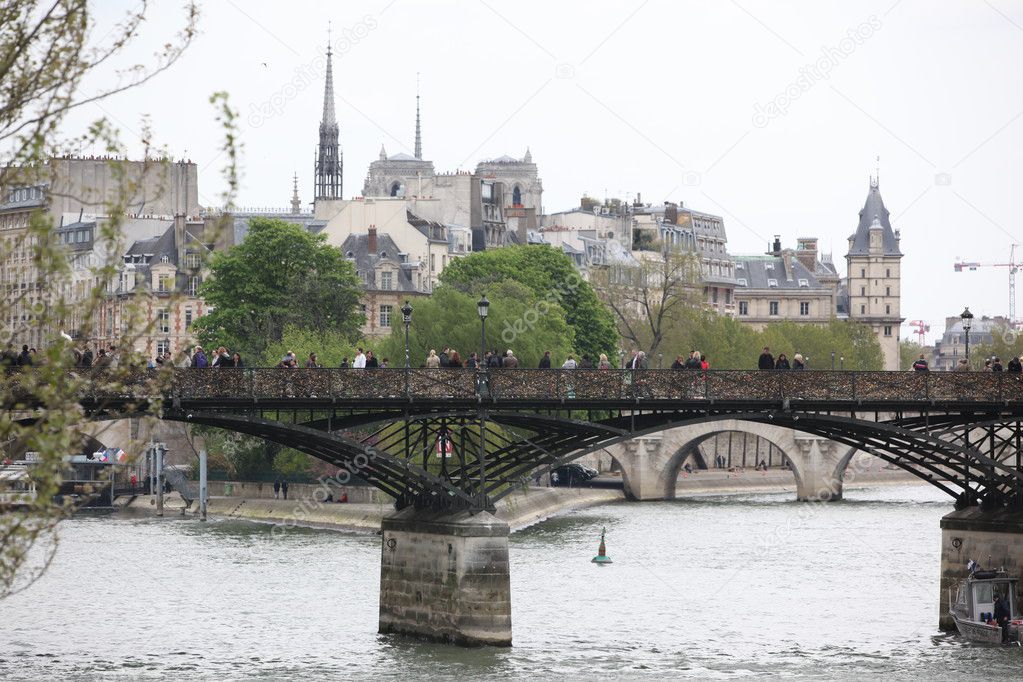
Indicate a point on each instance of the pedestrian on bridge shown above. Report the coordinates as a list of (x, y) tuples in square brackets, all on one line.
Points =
[(277, 488), (921, 364), (783, 362), (766, 360), (284, 488), (545, 361), (433, 360), (1014, 366)]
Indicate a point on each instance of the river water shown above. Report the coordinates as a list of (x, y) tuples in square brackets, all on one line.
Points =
[(713, 587)]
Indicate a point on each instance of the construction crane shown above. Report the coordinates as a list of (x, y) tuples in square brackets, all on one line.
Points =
[(921, 330), (1013, 266)]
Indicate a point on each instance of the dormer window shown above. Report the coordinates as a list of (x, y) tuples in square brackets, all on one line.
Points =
[(386, 280), (772, 282), (350, 254), (804, 283), (383, 254), (743, 282), (164, 259), (769, 266)]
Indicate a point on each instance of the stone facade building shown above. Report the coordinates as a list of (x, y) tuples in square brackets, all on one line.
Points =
[(388, 278)]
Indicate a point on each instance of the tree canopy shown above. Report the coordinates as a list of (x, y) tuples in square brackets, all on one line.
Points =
[(280, 276), (553, 280), (731, 344), (517, 320)]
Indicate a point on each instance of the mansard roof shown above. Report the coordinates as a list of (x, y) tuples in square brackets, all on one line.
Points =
[(874, 208), (756, 270)]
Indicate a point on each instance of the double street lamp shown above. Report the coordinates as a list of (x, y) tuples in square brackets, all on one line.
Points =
[(967, 318), (406, 318), (483, 308)]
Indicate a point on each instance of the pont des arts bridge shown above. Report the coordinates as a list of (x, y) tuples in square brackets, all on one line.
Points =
[(444, 556)]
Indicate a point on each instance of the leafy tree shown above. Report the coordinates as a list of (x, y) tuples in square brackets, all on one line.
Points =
[(330, 347), (517, 320), (1005, 343), (47, 51), (552, 278), (647, 297), (280, 275)]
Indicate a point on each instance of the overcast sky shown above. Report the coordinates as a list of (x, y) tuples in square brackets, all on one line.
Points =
[(770, 114)]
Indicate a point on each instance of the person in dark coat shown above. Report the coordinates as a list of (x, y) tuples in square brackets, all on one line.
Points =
[(782, 363), (679, 363), (284, 488), (766, 359), (798, 362), (921, 364), (277, 488), (1002, 616), (24, 358), (996, 366), (545, 361), (1014, 366)]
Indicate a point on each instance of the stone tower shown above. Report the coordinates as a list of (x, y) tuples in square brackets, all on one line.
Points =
[(873, 275), (329, 161)]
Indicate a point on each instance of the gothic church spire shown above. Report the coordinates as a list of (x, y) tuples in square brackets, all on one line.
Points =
[(329, 159)]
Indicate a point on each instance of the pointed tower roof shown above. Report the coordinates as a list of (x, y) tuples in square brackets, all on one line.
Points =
[(383, 152), (874, 214), (329, 118), (419, 137)]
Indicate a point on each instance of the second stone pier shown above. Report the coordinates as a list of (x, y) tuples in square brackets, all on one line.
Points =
[(445, 577)]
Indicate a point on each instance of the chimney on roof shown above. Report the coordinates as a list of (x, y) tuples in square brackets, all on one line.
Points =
[(806, 252), (776, 250), (371, 241), (671, 212)]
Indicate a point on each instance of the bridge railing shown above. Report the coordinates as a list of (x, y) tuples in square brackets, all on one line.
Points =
[(541, 385)]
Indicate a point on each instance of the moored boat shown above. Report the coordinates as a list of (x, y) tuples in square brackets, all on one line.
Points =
[(973, 606)]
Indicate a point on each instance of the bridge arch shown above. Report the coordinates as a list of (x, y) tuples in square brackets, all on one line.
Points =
[(651, 463)]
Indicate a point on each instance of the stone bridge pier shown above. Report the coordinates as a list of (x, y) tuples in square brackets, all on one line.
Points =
[(651, 463)]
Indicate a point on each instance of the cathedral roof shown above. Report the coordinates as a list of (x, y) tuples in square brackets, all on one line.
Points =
[(874, 211), (402, 157)]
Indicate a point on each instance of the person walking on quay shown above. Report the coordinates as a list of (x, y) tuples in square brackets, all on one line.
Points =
[(798, 362), (360, 359), (603, 362), (284, 488), (510, 361), (545, 361), (311, 363), (433, 360), (277, 488), (783, 362), (766, 360), (1014, 366), (921, 364)]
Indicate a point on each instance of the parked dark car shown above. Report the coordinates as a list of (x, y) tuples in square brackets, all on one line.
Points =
[(573, 474)]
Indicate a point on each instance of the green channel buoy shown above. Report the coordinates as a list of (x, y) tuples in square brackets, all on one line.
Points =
[(602, 557)]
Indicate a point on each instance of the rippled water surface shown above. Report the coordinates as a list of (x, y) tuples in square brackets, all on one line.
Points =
[(712, 587)]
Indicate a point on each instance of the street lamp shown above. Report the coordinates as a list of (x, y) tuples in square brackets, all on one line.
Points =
[(406, 318), (482, 307), (967, 318)]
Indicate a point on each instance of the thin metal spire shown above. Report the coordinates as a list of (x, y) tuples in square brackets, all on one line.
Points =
[(419, 138), (329, 117)]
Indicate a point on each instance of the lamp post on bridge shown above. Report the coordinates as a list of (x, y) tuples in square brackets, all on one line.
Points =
[(483, 308), (406, 318), (967, 318)]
